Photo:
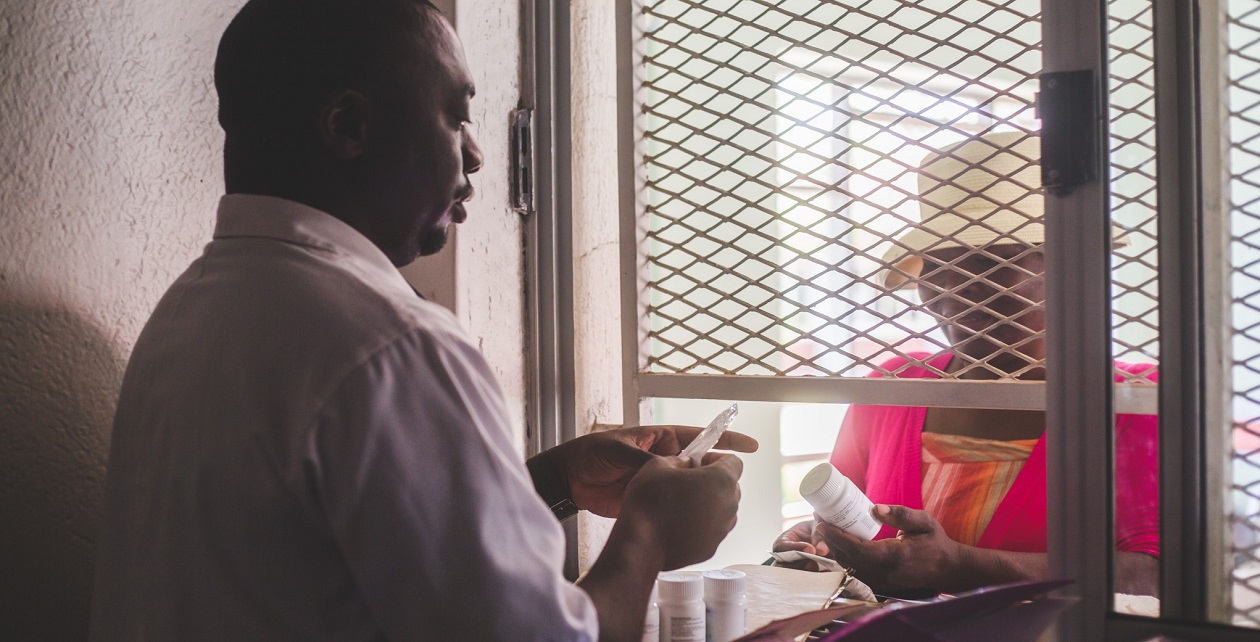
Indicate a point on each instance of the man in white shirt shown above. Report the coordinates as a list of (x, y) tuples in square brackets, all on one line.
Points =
[(303, 448)]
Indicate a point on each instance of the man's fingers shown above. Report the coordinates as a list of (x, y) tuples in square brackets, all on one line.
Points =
[(732, 465), (664, 440), (672, 439), (682, 435), (737, 441), (627, 454), (904, 519)]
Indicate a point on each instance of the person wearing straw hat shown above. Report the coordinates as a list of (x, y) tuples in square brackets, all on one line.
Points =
[(962, 491)]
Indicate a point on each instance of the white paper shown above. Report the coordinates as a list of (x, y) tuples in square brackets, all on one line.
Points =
[(792, 557)]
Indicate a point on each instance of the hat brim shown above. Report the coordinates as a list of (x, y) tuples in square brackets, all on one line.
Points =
[(903, 262)]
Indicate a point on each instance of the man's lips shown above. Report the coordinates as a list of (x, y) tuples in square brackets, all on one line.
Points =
[(458, 213)]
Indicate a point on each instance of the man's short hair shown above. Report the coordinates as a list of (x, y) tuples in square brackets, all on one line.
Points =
[(278, 60)]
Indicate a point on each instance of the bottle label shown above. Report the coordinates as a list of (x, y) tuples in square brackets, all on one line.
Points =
[(686, 629), (853, 516)]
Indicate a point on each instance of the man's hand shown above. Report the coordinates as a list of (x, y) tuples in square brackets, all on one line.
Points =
[(674, 513), (921, 558), (802, 537), (597, 467), (681, 510)]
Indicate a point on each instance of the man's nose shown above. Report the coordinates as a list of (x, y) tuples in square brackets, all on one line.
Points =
[(472, 154)]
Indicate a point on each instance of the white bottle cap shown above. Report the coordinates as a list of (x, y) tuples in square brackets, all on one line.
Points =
[(724, 585), (680, 587), (821, 481), (652, 598)]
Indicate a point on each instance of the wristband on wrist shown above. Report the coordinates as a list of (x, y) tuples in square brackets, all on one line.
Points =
[(550, 487)]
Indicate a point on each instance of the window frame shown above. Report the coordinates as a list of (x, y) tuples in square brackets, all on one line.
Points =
[(1194, 327)]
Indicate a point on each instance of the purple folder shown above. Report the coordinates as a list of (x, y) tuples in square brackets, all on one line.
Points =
[(1014, 612)]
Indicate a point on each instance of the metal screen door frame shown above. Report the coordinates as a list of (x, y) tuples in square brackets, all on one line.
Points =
[(1192, 336), (1079, 395)]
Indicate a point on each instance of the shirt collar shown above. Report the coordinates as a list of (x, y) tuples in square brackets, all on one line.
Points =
[(253, 215)]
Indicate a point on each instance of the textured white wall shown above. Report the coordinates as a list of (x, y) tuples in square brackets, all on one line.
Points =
[(110, 169), (490, 254), (109, 175)]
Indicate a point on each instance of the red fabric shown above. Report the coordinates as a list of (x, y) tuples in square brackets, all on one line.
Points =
[(880, 449)]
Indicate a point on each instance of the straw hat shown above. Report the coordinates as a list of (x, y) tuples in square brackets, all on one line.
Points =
[(978, 192)]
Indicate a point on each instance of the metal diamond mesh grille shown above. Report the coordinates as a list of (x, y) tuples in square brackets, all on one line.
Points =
[(782, 144), (798, 156), (1244, 134), (1131, 105)]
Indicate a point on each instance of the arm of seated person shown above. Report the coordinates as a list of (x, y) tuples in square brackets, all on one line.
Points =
[(923, 560)]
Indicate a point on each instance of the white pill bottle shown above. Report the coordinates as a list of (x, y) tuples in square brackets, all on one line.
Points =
[(652, 623), (681, 603), (837, 500), (725, 605)]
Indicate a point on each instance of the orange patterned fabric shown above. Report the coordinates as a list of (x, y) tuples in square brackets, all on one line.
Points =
[(965, 478)]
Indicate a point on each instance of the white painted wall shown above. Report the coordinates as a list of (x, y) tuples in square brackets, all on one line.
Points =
[(110, 169)]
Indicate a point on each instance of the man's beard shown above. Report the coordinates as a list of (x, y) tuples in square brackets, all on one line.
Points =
[(433, 240)]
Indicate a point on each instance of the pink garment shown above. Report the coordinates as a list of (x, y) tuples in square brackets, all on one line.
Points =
[(880, 449)]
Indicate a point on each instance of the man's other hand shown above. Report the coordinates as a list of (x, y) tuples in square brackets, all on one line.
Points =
[(597, 467), (684, 511)]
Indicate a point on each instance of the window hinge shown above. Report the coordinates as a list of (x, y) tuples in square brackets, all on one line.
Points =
[(523, 161), (1068, 108)]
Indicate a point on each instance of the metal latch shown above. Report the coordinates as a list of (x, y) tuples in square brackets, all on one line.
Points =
[(1068, 108), (523, 162)]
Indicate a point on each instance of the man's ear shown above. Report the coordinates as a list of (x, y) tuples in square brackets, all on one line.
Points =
[(343, 124)]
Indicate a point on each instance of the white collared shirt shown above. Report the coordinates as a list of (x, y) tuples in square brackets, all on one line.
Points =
[(306, 450)]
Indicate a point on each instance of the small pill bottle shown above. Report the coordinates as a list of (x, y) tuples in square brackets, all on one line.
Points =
[(837, 500), (681, 603), (652, 623), (725, 605)]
